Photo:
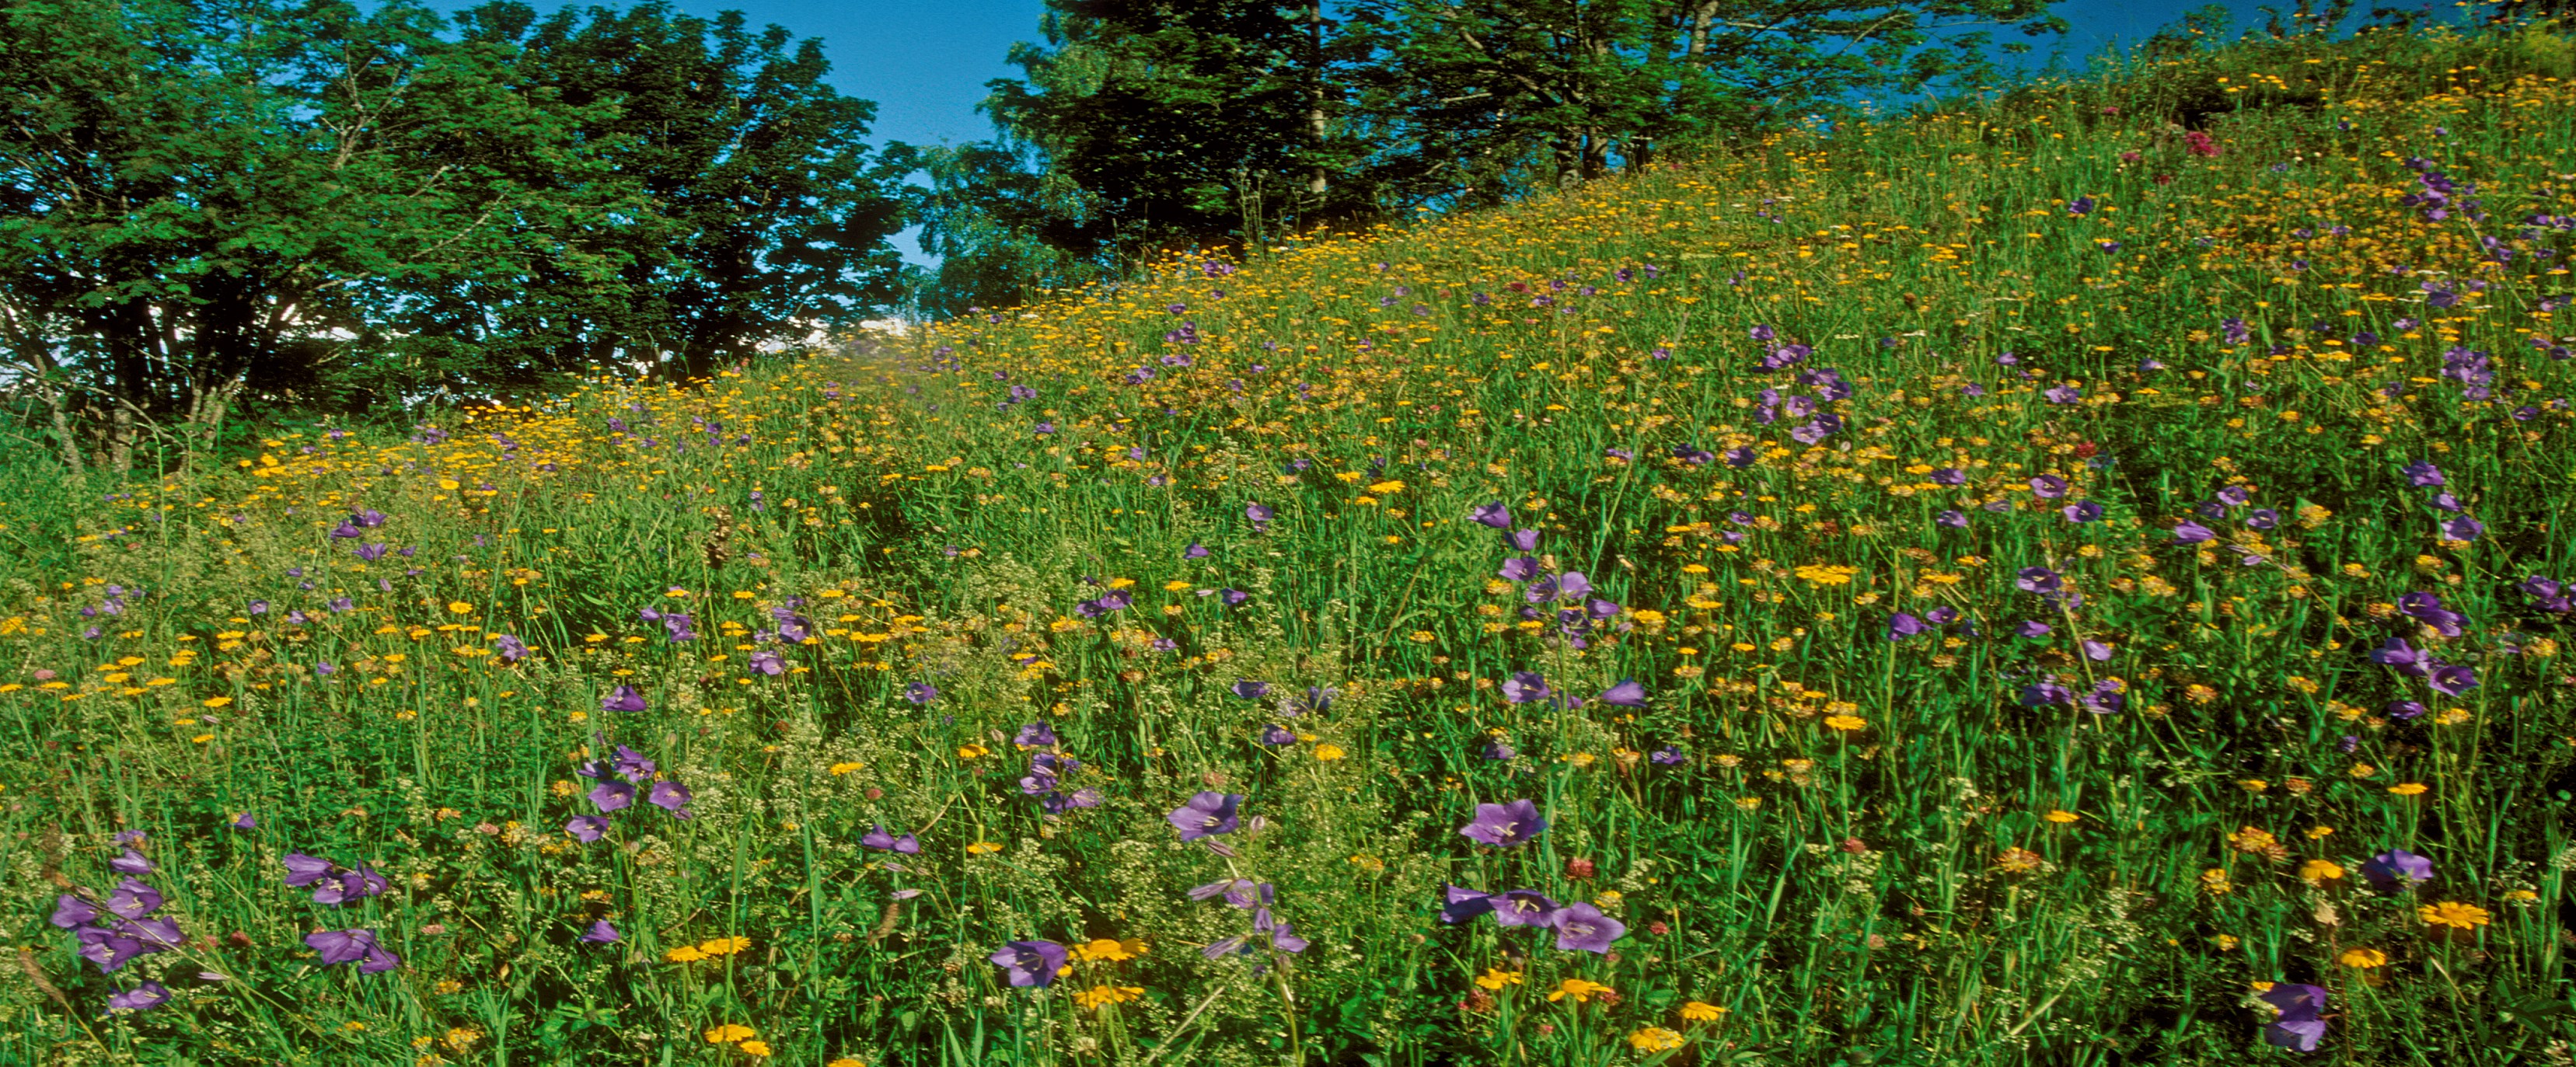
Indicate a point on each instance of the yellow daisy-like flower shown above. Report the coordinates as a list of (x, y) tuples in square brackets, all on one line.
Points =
[(1700, 1011), (1819, 574), (2018, 861), (2453, 913), (460, 607), (724, 946), (2364, 958), (2408, 789), (845, 768), (1581, 990), (1109, 950), (2061, 815), (216, 702), (1100, 996), (756, 1048), (1329, 752), (1495, 978), (684, 954), (1655, 1039), (973, 752), (982, 847), (1845, 723), (729, 1033), (847, 1061), (2316, 872)]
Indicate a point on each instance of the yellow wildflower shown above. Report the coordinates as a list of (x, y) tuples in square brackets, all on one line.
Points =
[(2453, 913), (1100, 996), (1819, 574), (2251, 839), (2364, 958), (1581, 990), (1700, 1011), (1495, 978), (728, 1034), (1655, 1039), (1109, 950)]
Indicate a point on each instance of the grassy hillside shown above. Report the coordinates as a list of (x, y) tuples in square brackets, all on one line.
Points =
[(2035, 584)]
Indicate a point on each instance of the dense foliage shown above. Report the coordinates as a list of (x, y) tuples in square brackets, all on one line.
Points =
[(2033, 584), (1160, 126), (318, 206)]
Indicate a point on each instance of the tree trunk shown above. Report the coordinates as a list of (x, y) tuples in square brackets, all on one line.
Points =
[(132, 338), (1701, 18), (1247, 198), (207, 406), (51, 385), (65, 442), (1317, 183)]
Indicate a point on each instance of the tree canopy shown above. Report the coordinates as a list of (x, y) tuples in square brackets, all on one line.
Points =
[(204, 202), (1152, 124)]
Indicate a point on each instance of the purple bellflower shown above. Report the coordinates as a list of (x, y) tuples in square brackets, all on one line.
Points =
[(1031, 963), (1581, 927), (1505, 825), (1207, 814)]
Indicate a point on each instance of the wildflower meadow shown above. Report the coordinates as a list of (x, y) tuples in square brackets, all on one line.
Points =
[(2076, 577)]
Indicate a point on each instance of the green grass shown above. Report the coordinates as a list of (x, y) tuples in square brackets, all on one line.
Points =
[(1896, 892)]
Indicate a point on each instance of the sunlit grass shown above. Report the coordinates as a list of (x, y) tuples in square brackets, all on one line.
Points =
[(1916, 766)]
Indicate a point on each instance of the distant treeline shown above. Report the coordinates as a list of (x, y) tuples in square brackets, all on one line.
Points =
[(1142, 125), (309, 205)]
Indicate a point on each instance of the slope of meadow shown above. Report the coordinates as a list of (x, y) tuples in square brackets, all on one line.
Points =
[(2036, 584)]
